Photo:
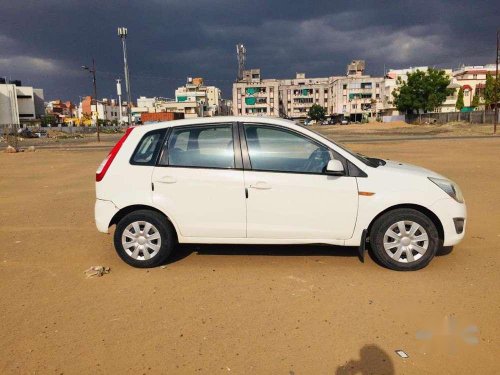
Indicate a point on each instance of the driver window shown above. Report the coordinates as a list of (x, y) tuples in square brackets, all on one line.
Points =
[(273, 149)]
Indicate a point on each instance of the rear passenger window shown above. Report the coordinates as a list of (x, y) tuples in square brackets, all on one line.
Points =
[(147, 150), (200, 146)]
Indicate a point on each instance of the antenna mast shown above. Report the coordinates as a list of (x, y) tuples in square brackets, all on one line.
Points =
[(241, 54)]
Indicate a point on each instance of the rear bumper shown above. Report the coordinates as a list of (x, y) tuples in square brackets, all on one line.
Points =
[(450, 213), (104, 212)]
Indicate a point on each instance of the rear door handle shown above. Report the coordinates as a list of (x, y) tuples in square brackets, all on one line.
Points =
[(261, 185), (167, 180)]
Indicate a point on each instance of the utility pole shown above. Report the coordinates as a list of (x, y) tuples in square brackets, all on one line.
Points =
[(122, 33), (495, 121), (92, 71)]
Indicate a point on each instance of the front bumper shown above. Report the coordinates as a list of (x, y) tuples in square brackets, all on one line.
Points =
[(104, 212), (450, 212)]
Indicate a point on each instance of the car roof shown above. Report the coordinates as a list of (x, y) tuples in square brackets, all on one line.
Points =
[(218, 119)]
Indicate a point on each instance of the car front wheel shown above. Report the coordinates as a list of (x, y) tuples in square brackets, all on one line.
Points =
[(144, 239), (404, 239)]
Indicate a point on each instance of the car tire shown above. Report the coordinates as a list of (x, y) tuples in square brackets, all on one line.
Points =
[(144, 239), (404, 240)]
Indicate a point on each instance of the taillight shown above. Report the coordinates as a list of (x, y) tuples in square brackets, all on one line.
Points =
[(104, 166)]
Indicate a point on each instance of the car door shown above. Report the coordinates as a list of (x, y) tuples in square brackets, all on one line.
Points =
[(198, 181), (289, 196)]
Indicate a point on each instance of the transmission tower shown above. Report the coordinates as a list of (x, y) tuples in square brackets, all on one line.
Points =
[(241, 54)]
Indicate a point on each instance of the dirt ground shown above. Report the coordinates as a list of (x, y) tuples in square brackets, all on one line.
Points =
[(236, 309), (400, 129), (351, 132)]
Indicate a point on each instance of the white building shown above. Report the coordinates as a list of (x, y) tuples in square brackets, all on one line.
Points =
[(390, 84), (20, 104), (195, 91), (357, 97), (472, 80), (107, 110), (147, 104), (299, 94), (194, 99), (190, 108)]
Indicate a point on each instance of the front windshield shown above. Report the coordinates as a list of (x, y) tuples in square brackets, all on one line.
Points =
[(362, 158)]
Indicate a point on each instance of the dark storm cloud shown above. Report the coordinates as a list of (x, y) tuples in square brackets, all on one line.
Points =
[(45, 42)]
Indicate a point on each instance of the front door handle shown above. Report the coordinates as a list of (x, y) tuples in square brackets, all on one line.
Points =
[(167, 180), (261, 185)]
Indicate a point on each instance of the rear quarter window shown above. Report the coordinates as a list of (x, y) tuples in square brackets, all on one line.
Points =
[(147, 150)]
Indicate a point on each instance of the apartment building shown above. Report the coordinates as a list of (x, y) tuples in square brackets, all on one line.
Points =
[(195, 91), (298, 95), (355, 95), (253, 96), (20, 104)]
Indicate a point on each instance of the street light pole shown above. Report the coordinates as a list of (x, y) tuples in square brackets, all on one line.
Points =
[(93, 72), (119, 92), (495, 121), (122, 33)]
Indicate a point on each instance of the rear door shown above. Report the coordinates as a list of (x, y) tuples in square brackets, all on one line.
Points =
[(198, 181), (289, 196)]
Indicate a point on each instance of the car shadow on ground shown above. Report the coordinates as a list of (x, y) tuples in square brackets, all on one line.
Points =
[(184, 250), (372, 360)]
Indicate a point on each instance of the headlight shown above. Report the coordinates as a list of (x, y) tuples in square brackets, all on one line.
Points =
[(449, 187)]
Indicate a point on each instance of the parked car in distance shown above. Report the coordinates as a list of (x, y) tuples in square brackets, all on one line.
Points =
[(247, 180), (344, 122), (41, 134), (26, 133)]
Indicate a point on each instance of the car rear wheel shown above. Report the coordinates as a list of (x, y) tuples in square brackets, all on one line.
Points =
[(144, 239), (404, 239)]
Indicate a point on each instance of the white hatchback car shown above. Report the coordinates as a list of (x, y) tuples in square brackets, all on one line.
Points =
[(248, 180)]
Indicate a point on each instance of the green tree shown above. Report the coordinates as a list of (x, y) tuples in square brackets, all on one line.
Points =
[(317, 112), (422, 91), (475, 101), (460, 99), (489, 90), (48, 120)]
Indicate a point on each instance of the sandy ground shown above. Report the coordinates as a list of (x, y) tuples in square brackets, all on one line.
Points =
[(400, 129), (240, 310), (351, 132)]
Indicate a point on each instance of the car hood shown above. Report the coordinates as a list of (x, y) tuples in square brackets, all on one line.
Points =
[(399, 167)]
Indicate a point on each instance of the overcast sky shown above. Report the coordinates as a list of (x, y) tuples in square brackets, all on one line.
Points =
[(44, 42)]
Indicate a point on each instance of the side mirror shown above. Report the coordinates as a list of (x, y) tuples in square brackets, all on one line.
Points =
[(335, 168)]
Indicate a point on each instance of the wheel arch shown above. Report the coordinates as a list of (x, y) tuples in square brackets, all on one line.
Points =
[(424, 210), (136, 207)]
